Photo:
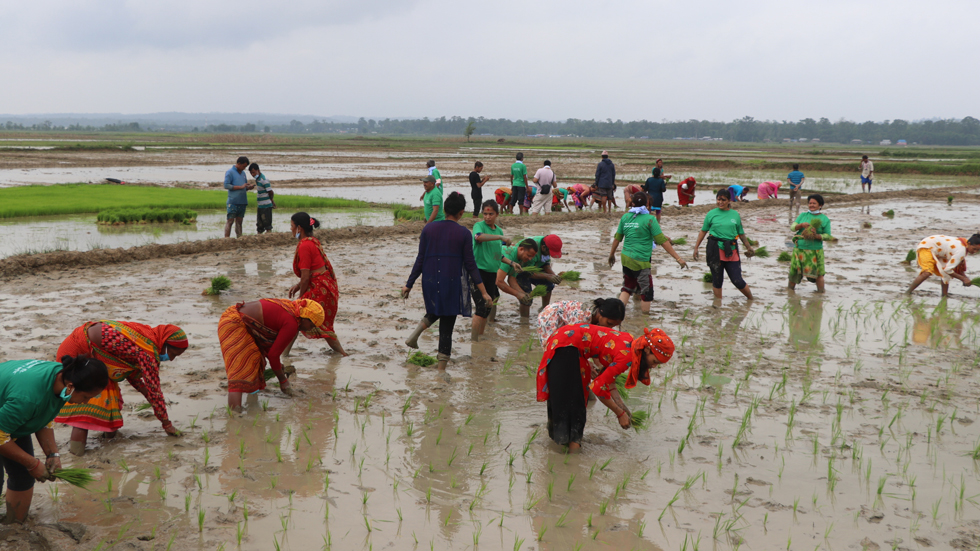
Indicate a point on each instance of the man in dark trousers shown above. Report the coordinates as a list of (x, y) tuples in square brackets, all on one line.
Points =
[(605, 181), (476, 191)]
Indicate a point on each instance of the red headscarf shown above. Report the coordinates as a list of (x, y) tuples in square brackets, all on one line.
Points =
[(657, 341)]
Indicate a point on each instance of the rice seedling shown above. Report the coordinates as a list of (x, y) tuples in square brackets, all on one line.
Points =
[(200, 520), (571, 480), (605, 464), (421, 359), (531, 501), (975, 281), (570, 275), (679, 241), (541, 532), (639, 419), (890, 213), (527, 476), (81, 478), (452, 457), (551, 489), (784, 256), (439, 437), (518, 543), (218, 284), (538, 291), (603, 505), (707, 277), (949, 200), (762, 252)]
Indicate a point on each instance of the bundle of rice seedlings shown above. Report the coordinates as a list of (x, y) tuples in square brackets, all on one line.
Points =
[(75, 476), (866, 225), (218, 284), (707, 277), (816, 223), (890, 213), (570, 275), (621, 386), (784, 257), (679, 241), (639, 419), (762, 252), (421, 359), (539, 291), (975, 281), (949, 200), (910, 256), (753, 242), (531, 269), (409, 215)]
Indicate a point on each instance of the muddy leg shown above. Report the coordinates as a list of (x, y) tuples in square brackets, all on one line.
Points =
[(479, 325), (413, 340), (645, 306), (746, 291), (820, 287), (716, 291), (945, 290), (228, 225), (525, 310), (493, 314), (546, 300), (624, 297), (238, 227), (917, 281), (77, 443), (18, 504), (235, 401)]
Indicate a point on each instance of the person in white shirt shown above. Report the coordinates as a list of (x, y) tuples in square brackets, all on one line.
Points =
[(544, 185), (867, 173)]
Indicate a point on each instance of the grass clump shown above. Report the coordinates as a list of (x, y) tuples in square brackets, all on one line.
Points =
[(421, 359), (784, 257), (218, 284), (570, 275), (147, 215), (75, 476), (910, 256), (707, 277), (94, 198)]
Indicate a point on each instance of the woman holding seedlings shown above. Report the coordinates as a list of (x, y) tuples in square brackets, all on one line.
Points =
[(564, 376), (812, 229), (945, 257), (444, 262), (526, 267), (252, 332), (317, 280), (605, 312), (723, 226), (31, 394), (639, 230), (488, 241), (685, 191), (132, 351)]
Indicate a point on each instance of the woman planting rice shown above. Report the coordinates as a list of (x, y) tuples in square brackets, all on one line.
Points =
[(445, 259), (723, 226), (605, 312), (132, 351), (317, 280), (534, 253), (488, 240), (639, 230), (628, 193), (502, 197), (580, 195), (812, 229), (944, 256), (252, 332), (31, 394), (564, 376), (685, 191)]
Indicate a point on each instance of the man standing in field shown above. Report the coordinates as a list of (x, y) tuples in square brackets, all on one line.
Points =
[(867, 173), (544, 181), (605, 182), (237, 185), (263, 221), (518, 182), (795, 184), (476, 188), (434, 172)]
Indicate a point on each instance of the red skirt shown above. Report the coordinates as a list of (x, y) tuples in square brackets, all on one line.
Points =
[(324, 291)]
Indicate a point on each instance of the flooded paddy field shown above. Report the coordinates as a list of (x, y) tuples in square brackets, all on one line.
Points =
[(845, 420)]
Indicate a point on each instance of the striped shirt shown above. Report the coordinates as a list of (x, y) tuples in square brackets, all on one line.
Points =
[(262, 186)]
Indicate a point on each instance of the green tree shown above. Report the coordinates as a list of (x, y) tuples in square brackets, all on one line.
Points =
[(470, 129)]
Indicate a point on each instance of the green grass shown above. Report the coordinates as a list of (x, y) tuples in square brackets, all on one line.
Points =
[(93, 198), (408, 214), (129, 216)]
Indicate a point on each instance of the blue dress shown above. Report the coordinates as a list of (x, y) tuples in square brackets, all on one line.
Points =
[(445, 262)]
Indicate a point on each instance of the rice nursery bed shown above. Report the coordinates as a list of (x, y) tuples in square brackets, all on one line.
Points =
[(799, 421)]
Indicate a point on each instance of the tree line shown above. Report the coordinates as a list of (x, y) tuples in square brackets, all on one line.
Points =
[(949, 132)]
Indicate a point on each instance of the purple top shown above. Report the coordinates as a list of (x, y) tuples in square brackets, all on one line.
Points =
[(446, 264)]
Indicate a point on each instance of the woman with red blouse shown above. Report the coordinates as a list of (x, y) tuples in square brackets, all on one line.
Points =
[(317, 280), (564, 376)]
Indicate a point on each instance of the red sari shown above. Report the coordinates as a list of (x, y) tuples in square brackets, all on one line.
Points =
[(683, 198), (323, 286), (609, 347)]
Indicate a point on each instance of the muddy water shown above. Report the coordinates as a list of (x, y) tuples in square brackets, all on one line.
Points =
[(883, 391), (82, 233)]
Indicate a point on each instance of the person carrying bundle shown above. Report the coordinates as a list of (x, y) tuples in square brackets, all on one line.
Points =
[(564, 376), (132, 351), (32, 392), (685, 191), (534, 253), (812, 229), (945, 257), (723, 227)]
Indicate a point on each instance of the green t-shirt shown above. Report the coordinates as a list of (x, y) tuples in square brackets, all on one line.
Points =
[(487, 254), (436, 175), (812, 244), (511, 254), (723, 224), (638, 232), (27, 403), (518, 172), (431, 199)]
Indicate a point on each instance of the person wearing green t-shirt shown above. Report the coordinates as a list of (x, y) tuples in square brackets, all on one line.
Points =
[(518, 178), (32, 392), (723, 226), (812, 229), (432, 201), (488, 243), (514, 280), (638, 231)]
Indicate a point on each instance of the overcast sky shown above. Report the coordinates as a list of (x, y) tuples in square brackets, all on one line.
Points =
[(630, 59)]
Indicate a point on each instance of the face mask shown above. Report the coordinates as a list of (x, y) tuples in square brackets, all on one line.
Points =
[(815, 212), (298, 235), (545, 259), (65, 395), (164, 357)]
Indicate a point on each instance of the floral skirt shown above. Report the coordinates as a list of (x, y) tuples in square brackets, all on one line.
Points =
[(806, 263)]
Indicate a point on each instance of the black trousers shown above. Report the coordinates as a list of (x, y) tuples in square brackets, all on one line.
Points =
[(19, 479), (566, 401), (263, 220), (446, 325), (477, 195)]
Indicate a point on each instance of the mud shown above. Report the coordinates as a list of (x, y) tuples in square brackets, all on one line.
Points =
[(883, 390)]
